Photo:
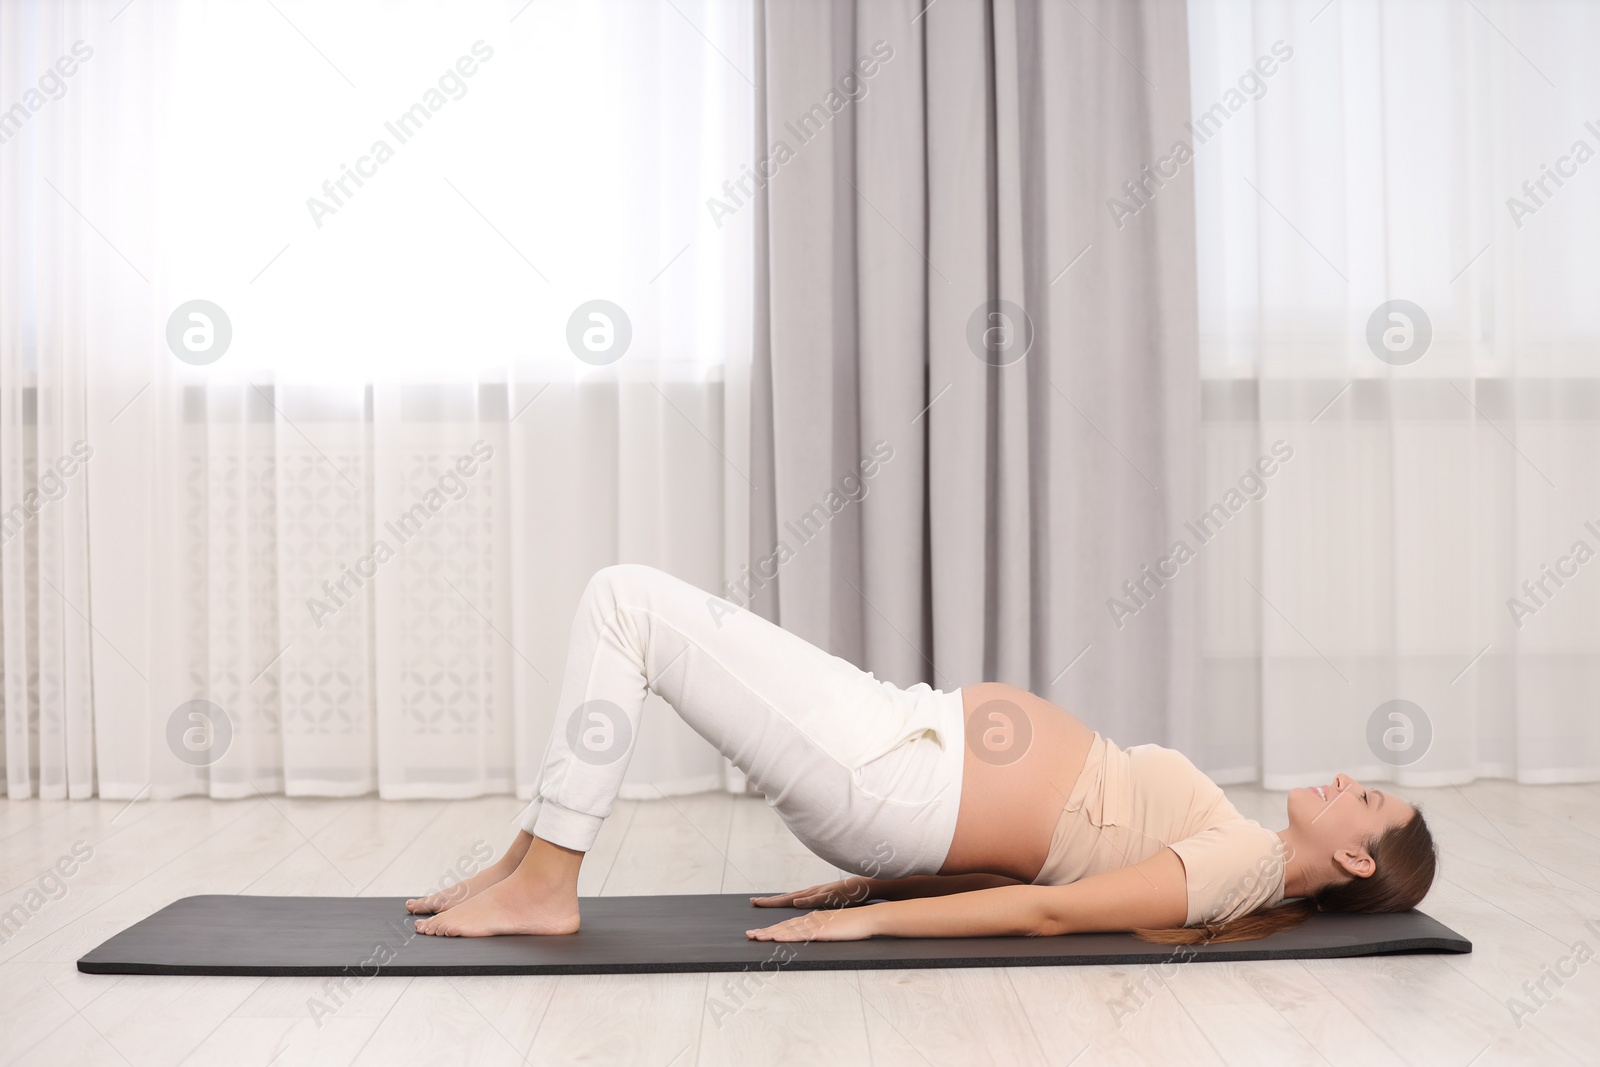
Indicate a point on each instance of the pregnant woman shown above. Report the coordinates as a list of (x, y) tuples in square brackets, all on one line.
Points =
[(980, 812)]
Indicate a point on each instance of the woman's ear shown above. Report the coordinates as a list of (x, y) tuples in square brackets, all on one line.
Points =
[(1357, 862)]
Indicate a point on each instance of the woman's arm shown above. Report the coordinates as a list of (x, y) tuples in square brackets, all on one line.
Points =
[(1149, 894), (856, 890)]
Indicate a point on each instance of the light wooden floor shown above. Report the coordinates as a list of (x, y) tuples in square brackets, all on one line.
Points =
[(1521, 867)]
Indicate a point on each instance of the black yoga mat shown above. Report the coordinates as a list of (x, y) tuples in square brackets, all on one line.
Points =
[(364, 936)]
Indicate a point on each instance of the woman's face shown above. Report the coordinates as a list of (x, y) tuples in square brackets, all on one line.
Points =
[(1337, 820)]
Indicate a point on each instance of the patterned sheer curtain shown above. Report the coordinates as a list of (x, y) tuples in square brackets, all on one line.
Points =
[(1399, 248), (339, 346)]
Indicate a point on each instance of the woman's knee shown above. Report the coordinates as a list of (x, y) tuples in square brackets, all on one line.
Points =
[(617, 579)]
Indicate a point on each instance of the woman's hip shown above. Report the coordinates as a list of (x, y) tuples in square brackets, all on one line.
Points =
[(889, 817)]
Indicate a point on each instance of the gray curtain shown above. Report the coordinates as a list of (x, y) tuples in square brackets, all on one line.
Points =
[(907, 210)]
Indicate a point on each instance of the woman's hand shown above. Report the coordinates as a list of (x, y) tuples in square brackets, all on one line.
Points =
[(819, 926), (840, 894)]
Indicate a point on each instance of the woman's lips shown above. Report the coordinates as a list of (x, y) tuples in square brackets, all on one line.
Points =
[(1321, 792)]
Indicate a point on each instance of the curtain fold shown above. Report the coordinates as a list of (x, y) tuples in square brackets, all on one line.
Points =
[(976, 385)]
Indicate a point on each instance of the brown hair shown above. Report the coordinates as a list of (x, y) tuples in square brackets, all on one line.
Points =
[(1405, 860)]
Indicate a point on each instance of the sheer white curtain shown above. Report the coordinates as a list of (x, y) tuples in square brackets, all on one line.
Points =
[(359, 532), (1386, 159)]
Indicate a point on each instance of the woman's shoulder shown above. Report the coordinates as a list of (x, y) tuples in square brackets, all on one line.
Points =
[(1231, 869)]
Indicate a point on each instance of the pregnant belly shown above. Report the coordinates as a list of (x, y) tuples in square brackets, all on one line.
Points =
[(1021, 759)]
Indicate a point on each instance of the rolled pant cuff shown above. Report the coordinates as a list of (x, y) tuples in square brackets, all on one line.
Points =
[(551, 822)]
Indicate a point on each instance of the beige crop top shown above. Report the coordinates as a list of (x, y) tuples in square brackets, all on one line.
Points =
[(1128, 805)]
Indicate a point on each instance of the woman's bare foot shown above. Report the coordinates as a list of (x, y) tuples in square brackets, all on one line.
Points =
[(539, 897), (465, 890)]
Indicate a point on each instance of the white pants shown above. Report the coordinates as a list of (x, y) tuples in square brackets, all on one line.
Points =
[(866, 775)]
